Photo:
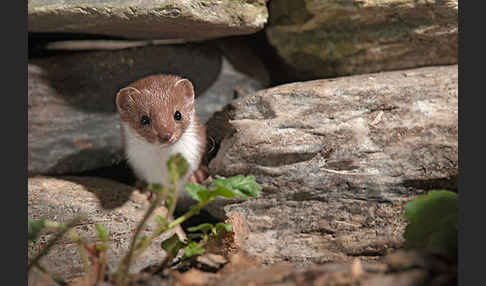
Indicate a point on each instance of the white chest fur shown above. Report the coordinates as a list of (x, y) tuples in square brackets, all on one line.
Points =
[(149, 161)]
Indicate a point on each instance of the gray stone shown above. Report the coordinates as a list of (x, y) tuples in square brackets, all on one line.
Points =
[(229, 84), (321, 39), (338, 159), (116, 206), (72, 121), (148, 19)]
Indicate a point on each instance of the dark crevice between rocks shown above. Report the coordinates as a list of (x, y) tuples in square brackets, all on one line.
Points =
[(217, 128), (80, 77), (441, 183), (279, 72), (202, 217)]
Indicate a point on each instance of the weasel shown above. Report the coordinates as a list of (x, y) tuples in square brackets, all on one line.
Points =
[(158, 120)]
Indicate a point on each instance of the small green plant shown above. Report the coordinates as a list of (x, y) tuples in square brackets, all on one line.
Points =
[(238, 186), (433, 222), (202, 233)]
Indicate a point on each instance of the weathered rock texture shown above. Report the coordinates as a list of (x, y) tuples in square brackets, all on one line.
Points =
[(338, 158), (329, 38), (114, 205), (148, 19), (415, 269)]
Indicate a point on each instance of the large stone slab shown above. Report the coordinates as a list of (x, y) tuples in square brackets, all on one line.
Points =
[(321, 39), (338, 159), (148, 19), (114, 205)]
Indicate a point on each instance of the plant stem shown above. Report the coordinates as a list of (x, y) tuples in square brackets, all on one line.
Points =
[(124, 267), (171, 225), (51, 242), (43, 270), (101, 273), (187, 215), (82, 251), (171, 208)]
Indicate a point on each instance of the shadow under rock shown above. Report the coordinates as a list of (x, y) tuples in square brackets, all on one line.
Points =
[(110, 194), (431, 184), (112, 184)]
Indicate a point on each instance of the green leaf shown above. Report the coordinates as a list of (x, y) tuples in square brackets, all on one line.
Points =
[(242, 186), (178, 167), (223, 192), (172, 245), (102, 232), (193, 248), (197, 192), (35, 227), (433, 222), (226, 226)]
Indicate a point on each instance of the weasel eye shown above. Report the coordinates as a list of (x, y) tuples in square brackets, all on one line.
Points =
[(145, 120), (177, 116)]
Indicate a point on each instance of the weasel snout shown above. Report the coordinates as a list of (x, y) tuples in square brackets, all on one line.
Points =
[(165, 137)]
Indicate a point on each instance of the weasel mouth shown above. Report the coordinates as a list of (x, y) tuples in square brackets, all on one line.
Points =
[(166, 137), (168, 142)]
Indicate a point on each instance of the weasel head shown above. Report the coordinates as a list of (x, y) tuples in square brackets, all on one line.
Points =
[(159, 108)]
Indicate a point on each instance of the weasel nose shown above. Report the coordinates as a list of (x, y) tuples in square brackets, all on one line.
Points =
[(165, 136)]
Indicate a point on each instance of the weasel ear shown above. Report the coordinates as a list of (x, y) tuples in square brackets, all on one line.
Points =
[(124, 99), (184, 86)]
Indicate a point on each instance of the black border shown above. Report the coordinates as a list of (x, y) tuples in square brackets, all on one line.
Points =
[(14, 121)]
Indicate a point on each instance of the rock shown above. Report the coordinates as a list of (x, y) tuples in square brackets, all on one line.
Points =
[(114, 205), (72, 119), (320, 39), (326, 274), (229, 84), (148, 19), (337, 160)]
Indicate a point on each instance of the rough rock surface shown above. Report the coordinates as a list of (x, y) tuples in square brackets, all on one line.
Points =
[(321, 39), (148, 19), (73, 124), (405, 268), (114, 205), (418, 269), (337, 159)]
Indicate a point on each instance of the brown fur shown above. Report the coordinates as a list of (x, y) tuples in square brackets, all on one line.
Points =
[(158, 97)]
